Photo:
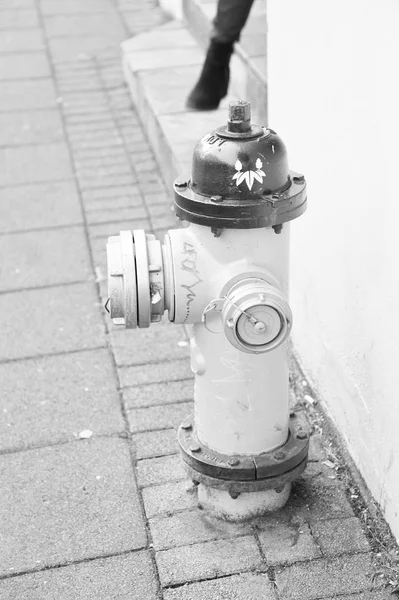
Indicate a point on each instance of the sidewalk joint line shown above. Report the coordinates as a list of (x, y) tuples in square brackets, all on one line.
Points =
[(73, 562), (163, 404), (48, 286), (40, 182), (63, 442), (6, 361), (30, 79), (40, 229)]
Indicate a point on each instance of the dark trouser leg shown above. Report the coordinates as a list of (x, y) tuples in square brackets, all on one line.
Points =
[(230, 20), (213, 83)]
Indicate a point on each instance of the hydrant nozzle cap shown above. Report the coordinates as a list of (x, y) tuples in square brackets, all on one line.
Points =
[(239, 116)]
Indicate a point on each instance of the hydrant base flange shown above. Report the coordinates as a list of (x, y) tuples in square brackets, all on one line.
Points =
[(239, 487), (261, 471)]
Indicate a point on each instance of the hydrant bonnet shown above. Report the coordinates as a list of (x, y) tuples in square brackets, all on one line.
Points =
[(240, 178)]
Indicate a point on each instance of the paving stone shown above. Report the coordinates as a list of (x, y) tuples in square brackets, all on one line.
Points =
[(207, 560), (50, 320), (154, 186), (17, 4), (77, 71), (143, 164), (153, 471), (63, 503), (156, 199), (55, 398), (34, 164), (338, 536), (92, 24), (366, 595), (126, 577), (155, 443), (169, 497), (248, 586), (158, 417), (38, 127), (24, 66), (70, 48), (81, 82), (109, 195), (138, 24), (320, 475), (159, 342), (103, 168), (186, 127), (111, 142), (163, 216), (164, 57), (105, 230), (105, 215), (282, 543), (155, 393), (315, 502), (21, 40), (186, 527), (82, 115), (98, 249), (38, 206), (59, 7), (253, 45), (39, 258), (18, 18), (88, 163), (311, 580), (83, 63), (174, 370), (27, 95), (105, 133), (104, 179), (316, 449), (89, 111), (178, 80), (158, 38), (259, 65)]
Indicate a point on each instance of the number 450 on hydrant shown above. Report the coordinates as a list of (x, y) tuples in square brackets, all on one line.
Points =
[(225, 272)]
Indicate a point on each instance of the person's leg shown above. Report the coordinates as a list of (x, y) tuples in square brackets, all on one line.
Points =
[(230, 20), (213, 83)]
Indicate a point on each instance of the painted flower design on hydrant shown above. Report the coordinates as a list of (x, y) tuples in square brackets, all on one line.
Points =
[(249, 176)]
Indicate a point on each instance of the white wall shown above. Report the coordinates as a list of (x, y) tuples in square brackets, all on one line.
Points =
[(333, 71)]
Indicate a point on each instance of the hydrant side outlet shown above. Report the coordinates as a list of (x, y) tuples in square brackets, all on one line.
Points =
[(226, 274)]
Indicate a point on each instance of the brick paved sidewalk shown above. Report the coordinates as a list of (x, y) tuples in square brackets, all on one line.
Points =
[(93, 499)]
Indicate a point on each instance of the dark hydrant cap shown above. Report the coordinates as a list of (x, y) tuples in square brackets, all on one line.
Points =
[(235, 168), (239, 160)]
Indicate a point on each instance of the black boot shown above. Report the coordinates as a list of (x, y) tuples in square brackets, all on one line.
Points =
[(214, 79)]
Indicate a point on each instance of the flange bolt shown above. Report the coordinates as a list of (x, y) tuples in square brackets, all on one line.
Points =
[(195, 448)]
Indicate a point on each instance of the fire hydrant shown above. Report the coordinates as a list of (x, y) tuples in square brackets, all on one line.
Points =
[(225, 272)]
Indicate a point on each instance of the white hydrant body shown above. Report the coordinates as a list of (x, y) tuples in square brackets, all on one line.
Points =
[(230, 283), (241, 398)]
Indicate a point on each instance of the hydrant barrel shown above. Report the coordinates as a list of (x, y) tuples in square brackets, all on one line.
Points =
[(226, 274)]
